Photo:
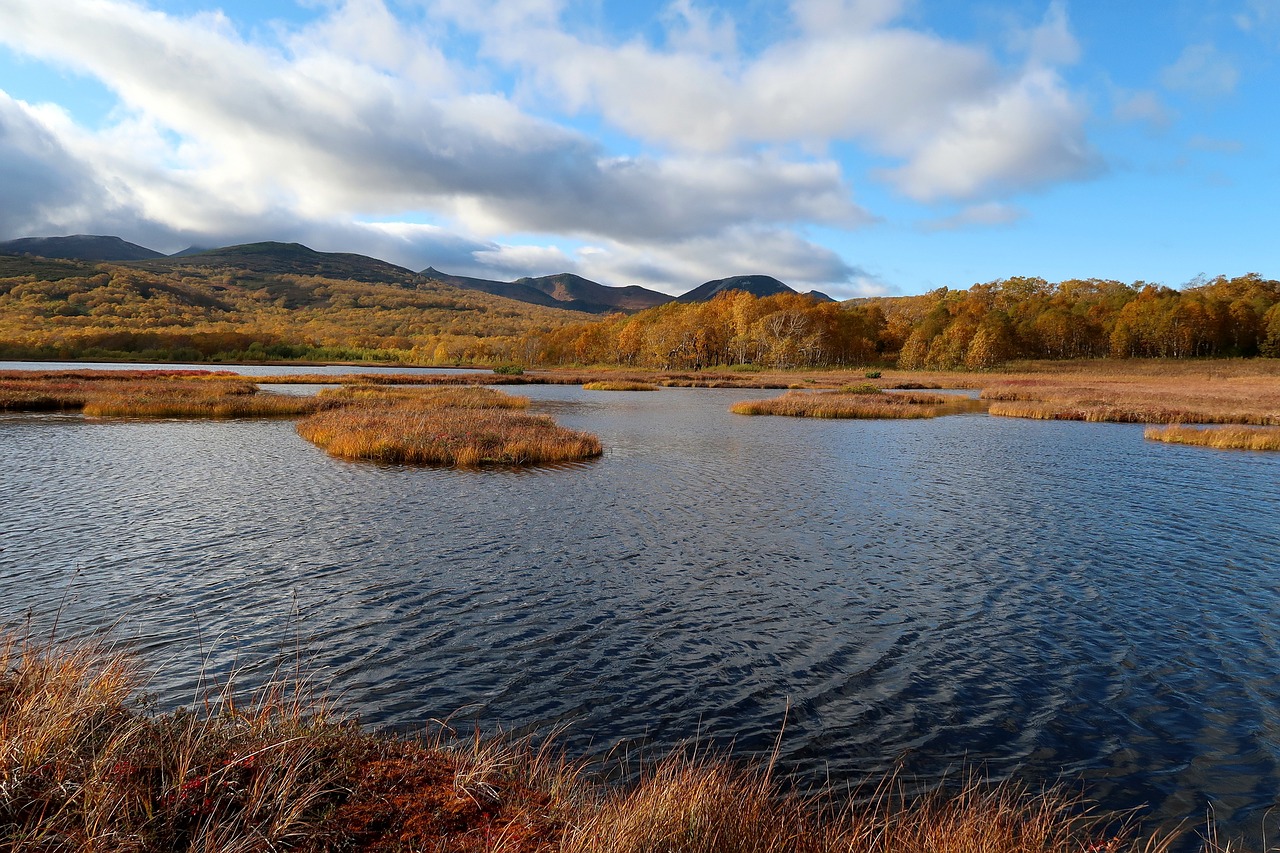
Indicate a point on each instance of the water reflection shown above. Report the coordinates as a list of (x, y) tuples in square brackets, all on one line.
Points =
[(1040, 598)]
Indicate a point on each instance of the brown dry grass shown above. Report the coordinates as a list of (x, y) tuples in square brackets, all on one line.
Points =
[(1222, 438), (617, 385), (83, 767), (461, 427), (1149, 399), (856, 404), (146, 394)]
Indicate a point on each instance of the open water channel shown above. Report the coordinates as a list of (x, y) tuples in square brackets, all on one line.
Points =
[(1034, 599)]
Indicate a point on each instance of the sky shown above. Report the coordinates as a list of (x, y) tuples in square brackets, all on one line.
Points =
[(860, 147)]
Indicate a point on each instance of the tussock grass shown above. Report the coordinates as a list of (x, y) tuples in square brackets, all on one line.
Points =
[(461, 427), (857, 404), (1222, 438), (84, 767), (619, 386)]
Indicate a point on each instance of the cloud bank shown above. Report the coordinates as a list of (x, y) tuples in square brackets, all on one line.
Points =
[(546, 146)]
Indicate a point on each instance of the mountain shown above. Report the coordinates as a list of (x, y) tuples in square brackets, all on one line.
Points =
[(80, 247), (567, 287), (511, 290), (272, 259), (756, 285), (192, 250), (566, 290)]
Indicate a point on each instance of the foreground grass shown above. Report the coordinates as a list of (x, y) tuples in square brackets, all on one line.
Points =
[(461, 427), (1222, 438), (84, 767), (865, 402)]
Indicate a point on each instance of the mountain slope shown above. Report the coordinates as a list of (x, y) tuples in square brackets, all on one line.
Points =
[(81, 247), (271, 258)]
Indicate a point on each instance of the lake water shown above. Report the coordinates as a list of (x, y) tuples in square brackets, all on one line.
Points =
[(1037, 599)]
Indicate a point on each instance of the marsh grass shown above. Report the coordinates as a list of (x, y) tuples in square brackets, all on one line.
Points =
[(1145, 398), (1220, 437), (146, 394), (84, 766), (460, 427), (858, 404), (618, 385)]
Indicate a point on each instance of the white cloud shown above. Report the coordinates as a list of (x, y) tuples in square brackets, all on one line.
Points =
[(1201, 70), (1026, 135), (851, 75)]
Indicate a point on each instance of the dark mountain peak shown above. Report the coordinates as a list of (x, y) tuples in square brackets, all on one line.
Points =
[(82, 247), (756, 285), (562, 290), (820, 296)]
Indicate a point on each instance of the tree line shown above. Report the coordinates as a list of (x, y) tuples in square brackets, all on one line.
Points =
[(986, 325)]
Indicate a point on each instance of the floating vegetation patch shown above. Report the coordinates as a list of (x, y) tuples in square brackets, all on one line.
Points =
[(619, 386), (461, 427), (860, 404)]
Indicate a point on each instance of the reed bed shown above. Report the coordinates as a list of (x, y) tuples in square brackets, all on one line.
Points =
[(147, 394), (442, 398), (859, 404), (617, 385), (1146, 398), (84, 766), (1222, 437), (464, 428)]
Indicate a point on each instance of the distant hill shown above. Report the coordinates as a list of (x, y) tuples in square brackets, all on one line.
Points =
[(272, 259), (567, 287), (80, 247), (756, 285), (566, 290), (192, 250)]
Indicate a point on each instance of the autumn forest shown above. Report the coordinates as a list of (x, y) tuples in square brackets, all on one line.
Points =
[(78, 309)]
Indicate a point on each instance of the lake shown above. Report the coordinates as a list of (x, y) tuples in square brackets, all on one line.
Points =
[(1035, 599)]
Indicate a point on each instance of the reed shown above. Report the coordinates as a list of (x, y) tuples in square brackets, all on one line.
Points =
[(838, 404), (409, 433), (619, 385), (1222, 438), (1139, 398), (84, 766), (426, 398), (147, 394)]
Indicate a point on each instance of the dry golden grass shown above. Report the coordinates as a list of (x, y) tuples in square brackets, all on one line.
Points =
[(429, 398), (617, 385), (83, 767), (858, 404), (462, 427), (146, 394), (1149, 399), (1222, 438)]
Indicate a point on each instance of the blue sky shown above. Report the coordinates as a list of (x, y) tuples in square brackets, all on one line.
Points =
[(856, 146)]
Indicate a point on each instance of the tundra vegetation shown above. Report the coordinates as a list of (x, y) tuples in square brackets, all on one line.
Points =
[(87, 765), (211, 311)]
